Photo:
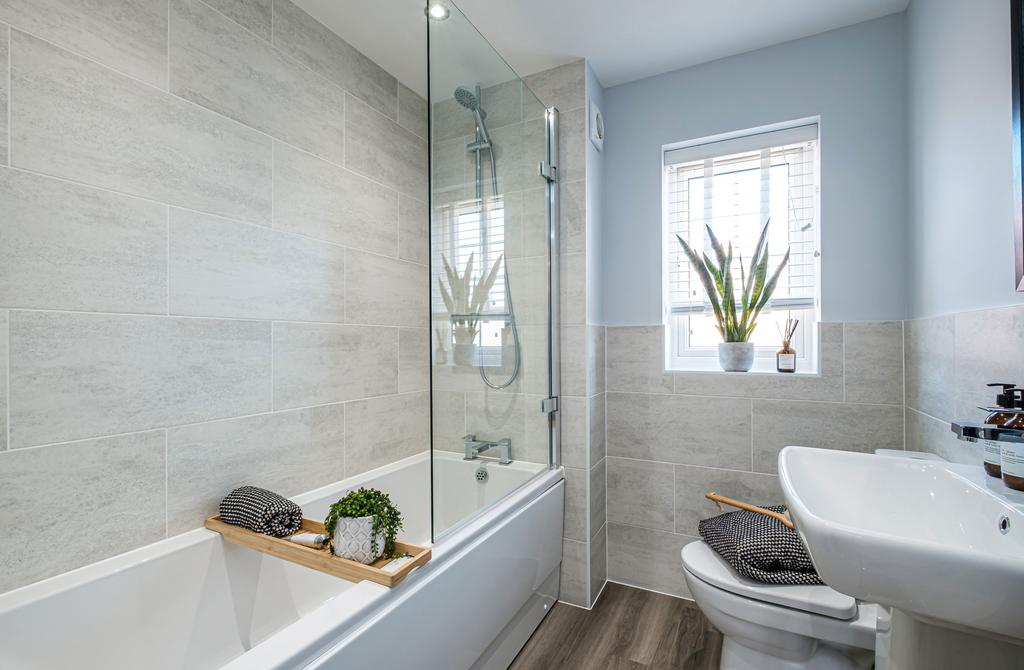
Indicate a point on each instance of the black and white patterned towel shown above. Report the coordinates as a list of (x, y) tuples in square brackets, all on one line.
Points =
[(760, 547), (261, 510)]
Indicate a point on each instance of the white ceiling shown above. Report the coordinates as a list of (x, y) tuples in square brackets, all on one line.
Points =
[(624, 40)]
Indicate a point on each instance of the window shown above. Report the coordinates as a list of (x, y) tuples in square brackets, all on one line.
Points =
[(734, 185)]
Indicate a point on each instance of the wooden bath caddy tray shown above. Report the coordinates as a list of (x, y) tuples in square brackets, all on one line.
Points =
[(322, 559)]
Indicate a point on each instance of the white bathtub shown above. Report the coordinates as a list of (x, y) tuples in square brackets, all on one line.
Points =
[(195, 602)]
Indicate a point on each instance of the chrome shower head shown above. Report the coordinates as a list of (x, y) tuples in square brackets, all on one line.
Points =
[(467, 98)]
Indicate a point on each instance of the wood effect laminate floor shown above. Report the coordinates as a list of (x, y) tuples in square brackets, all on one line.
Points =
[(628, 629)]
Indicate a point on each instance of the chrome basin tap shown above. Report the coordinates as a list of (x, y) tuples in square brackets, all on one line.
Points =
[(474, 448)]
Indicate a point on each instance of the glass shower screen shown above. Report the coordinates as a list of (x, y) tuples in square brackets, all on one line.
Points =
[(493, 322)]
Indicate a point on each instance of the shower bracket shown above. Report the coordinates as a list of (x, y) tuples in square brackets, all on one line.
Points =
[(549, 405), (549, 172)]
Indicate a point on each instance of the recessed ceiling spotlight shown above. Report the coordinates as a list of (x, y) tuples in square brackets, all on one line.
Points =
[(436, 11)]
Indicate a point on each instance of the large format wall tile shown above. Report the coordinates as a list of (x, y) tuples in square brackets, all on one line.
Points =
[(413, 229), (80, 375), (217, 64), (315, 198), (598, 494), (874, 362), (75, 119), (5, 97), (413, 359), (780, 423), (926, 433), (384, 291), (930, 366), (502, 102), (598, 563), (572, 415), (563, 87), (383, 150), (254, 15), (4, 400), (641, 493), (636, 360), (574, 526), (130, 37), (412, 111), (379, 431), (989, 348), (574, 587), (223, 268), (70, 247), (321, 50), (316, 364), (106, 496), (693, 482), (286, 452), (647, 558), (713, 432)]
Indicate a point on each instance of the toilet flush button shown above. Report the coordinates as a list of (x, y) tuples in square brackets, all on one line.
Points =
[(1004, 524)]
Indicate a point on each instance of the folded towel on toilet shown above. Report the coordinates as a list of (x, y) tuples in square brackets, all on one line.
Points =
[(261, 511), (760, 547)]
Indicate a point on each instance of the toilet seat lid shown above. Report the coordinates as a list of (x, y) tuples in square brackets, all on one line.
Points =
[(704, 563)]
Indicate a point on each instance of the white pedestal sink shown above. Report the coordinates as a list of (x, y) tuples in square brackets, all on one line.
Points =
[(935, 541)]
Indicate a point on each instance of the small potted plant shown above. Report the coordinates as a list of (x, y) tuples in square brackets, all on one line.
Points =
[(736, 314), (465, 303), (363, 525)]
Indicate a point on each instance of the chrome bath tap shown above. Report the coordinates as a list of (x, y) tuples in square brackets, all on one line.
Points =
[(475, 447)]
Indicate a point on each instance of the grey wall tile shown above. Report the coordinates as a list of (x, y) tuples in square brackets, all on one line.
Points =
[(379, 431), (495, 415), (75, 119), (563, 87), (502, 102), (573, 210), (575, 577), (572, 145), (381, 149), (286, 452), (874, 362), (926, 433), (930, 366), (528, 282), (223, 268), (130, 37), (989, 348), (597, 346), (598, 495), (81, 375), (713, 432), (573, 287), (636, 360), (598, 433), (572, 412), (574, 361), (448, 420), (384, 291), (517, 150), (647, 558), (693, 482), (5, 62), (70, 247), (413, 228), (574, 526), (864, 428), (412, 111), (321, 50), (217, 64), (318, 199), (254, 15), (640, 493), (826, 385), (4, 401), (413, 359), (598, 563), (112, 488), (315, 364)]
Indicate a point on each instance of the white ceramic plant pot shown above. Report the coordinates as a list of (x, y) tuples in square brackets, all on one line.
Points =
[(464, 354), (736, 356), (353, 539)]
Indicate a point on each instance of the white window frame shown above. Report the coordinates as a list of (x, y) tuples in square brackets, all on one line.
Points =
[(679, 354)]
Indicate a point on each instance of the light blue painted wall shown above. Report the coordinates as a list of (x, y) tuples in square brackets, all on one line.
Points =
[(961, 187), (854, 80), (594, 204)]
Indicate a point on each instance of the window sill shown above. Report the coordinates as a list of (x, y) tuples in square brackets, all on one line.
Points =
[(800, 374)]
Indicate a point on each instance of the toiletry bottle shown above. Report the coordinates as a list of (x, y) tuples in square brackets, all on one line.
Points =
[(993, 449), (1013, 452), (785, 358)]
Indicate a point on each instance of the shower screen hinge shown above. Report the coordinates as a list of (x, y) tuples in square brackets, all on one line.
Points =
[(549, 405), (549, 172)]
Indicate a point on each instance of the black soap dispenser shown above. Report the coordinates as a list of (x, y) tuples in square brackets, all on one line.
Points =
[(998, 415)]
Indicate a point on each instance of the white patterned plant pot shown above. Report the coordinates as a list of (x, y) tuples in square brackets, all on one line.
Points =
[(353, 539)]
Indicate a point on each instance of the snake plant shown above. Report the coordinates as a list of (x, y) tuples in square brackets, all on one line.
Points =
[(465, 302), (736, 315)]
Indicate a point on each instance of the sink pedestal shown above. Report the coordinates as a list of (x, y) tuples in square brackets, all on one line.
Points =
[(919, 645)]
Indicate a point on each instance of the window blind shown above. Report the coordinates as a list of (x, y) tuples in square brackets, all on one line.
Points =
[(735, 185), (473, 227)]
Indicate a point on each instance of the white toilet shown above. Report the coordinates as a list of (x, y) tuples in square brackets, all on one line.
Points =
[(768, 627)]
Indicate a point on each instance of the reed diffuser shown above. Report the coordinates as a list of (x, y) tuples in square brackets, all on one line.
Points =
[(785, 358)]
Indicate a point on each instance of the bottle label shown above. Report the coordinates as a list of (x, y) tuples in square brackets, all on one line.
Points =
[(993, 451), (1013, 459), (787, 362)]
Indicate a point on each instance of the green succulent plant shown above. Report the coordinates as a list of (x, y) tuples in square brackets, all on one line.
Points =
[(736, 315), (387, 520), (465, 302)]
